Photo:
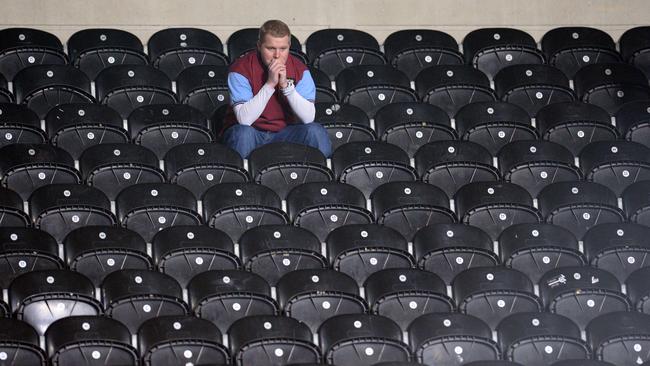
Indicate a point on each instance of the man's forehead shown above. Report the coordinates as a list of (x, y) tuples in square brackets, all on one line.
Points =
[(269, 39)]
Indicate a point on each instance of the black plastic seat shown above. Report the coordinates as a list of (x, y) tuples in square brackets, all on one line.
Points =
[(282, 166), (615, 164), (237, 207), (76, 340), (412, 50), (24, 47), (5, 94), (492, 49), (19, 342), (173, 50), (611, 85), (185, 251), (76, 126), (11, 210), (410, 125), (96, 251), (61, 208), (126, 87), (532, 86), (409, 206), (494, 124), (321, 207), (582, 293), (25, 250), (245, 39), (271, 251), (636, 202), (271, 340), (113, 167), (371, 87), (534, 164), (579, 205), (181, 339), (344, 123), (638, 289), (451, 339), (633, 121), (403, 294), (535, 249), (450, 165), (539, 339), (324, 91), (494, 206), (571, 48), (335, 49), (42, 297), (575, 124), (493, 293), (450, 87), (26, 167), (204, 87), (134, 296), (360, 250), (150, 207), (223, 296), (448, 249), (635, 48), (94, 49), (19, 124), (315, 295), (621, 338), (362, 340)]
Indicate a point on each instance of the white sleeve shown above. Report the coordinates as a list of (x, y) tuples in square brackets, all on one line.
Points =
[(302, 108), (250, 111)]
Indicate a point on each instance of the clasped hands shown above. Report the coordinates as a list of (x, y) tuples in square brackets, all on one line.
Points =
[(277, 74)]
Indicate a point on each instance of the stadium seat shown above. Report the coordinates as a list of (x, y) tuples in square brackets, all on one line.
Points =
[(344, 123), (24, 47), (92, 50), (636, 202), (19, 343), (638, 289), (5, 95), (19, 124), (11, 210), (621, 338), (25, 250), (633, 121), (204, 87), (173, 50), (634, 48), (245, 39), (324, 91)]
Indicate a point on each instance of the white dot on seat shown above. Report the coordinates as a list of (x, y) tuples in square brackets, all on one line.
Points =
[(96, 355), (369, 351), (278, 352), (187, 353)]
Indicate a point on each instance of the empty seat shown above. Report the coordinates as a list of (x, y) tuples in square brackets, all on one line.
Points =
[(76, 126), (61, 208), (450, 87), (344, 123), (450, 165), (410, 125), (362, 249), (113, 167), (620, 337), (411, 50), (581, 293), (26, 167), (223, 296), (633, 121), (539, 339), (96, 251), (492, 49), (134, 296), (448, 249), (571, 48), (237, 207), (635, 48), (19, 342), (363, 340), (324, 91), (150, 207), (315, 295), (409, 206), (94, 49), (451, 339), (24, 250), (578, 205), (174, 49), (126, 87), (185, 251), (536, 248), (335, 49), (636, 202), (77, 339), (371, 87), (618, 248), (42, 297), (494, 124), (320, 207), (403, 294), (282, 166), (204, 87), (271, 340), (11, 209), (574, 124), (534, 164), (638, 289), (274, 250), (24, 47), (181, 339), (19, 124), (244, 40), (532, 86)]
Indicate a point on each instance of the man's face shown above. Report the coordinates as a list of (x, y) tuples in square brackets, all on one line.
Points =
[(274, 48)]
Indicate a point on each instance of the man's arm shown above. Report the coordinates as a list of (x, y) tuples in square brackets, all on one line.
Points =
[(247, 107), (301, 98)]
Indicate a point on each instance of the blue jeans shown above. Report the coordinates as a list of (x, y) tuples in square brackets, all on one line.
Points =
[(245, 139)]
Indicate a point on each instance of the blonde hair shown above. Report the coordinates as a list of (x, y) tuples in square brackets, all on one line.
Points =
[(275, 28)]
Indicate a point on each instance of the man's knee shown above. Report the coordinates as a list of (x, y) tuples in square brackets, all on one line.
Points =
[(241, 138), (317, 136)]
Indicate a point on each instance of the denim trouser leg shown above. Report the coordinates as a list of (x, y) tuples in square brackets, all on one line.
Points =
[(242, 139), (312, 134)]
